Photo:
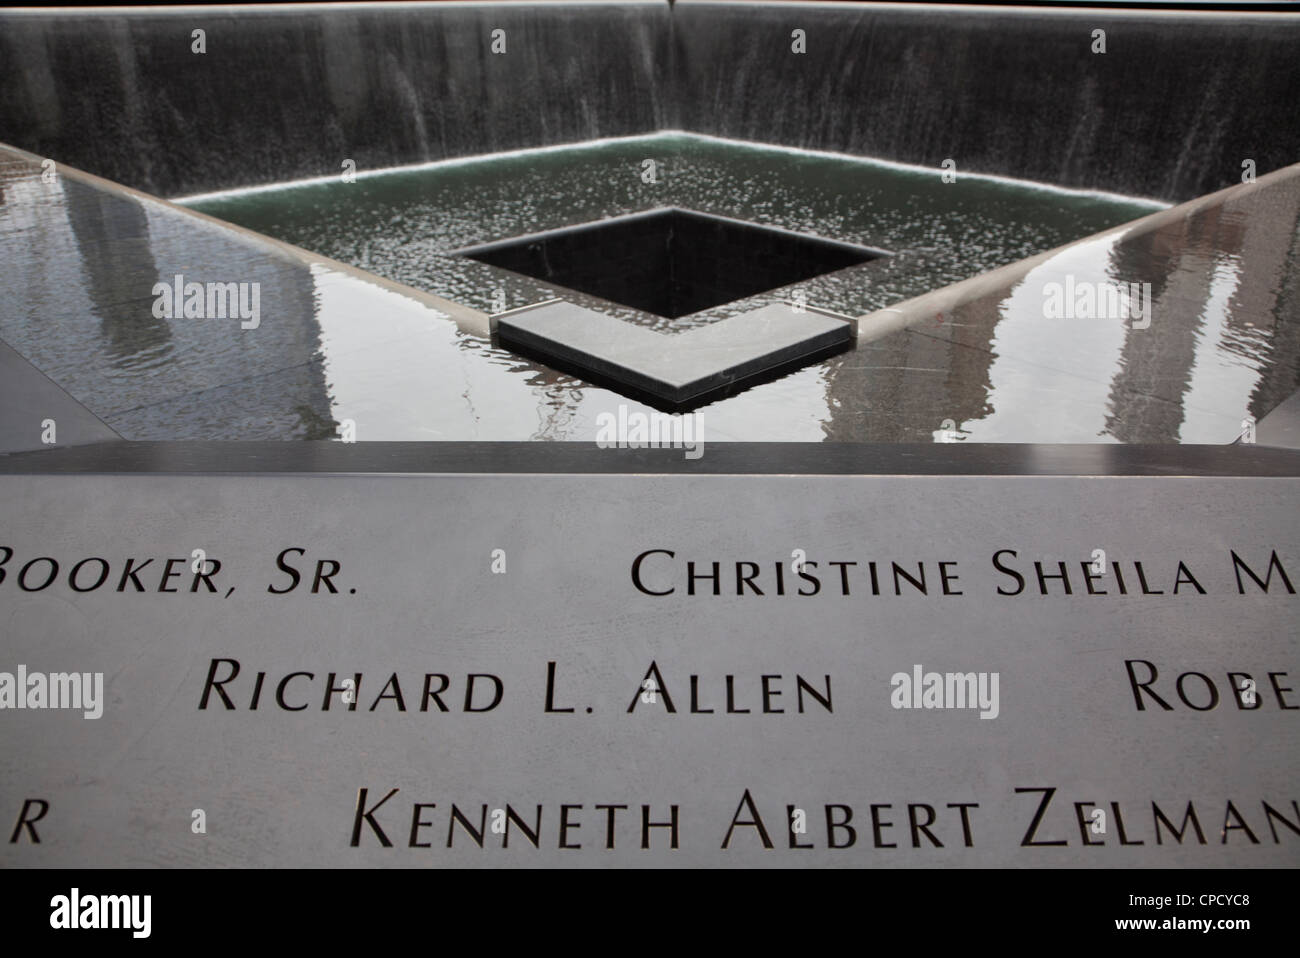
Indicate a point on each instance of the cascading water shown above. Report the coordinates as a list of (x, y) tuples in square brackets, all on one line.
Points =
[(1172, 108)]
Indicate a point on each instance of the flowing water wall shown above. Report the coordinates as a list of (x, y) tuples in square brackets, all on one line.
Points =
[(286, 93), (1171, 109)]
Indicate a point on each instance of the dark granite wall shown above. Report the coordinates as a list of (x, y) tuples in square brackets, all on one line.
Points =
[(1170, 110), (283, 95)]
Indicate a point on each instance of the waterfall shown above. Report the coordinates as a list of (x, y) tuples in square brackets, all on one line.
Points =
[(1172, 108)]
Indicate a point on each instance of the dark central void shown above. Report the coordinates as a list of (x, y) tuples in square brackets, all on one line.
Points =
[(671, 262)]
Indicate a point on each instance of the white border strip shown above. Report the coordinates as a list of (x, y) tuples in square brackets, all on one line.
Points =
[(598, 143)]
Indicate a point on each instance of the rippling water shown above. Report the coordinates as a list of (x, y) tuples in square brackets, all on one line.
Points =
[(334, 347), (403, 224)]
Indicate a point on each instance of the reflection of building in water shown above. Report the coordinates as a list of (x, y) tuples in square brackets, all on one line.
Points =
[(1269, 296), (112, 235), (1224, 339), (1155, 363), (902, 387), (191, 376), (1222, 343), (560, 408)]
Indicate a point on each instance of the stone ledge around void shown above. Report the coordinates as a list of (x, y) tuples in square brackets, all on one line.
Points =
[(674, 372)]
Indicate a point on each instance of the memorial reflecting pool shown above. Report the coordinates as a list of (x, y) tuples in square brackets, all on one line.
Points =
[(333, 346)]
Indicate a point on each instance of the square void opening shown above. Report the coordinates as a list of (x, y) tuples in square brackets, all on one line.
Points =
[(671, 262)]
